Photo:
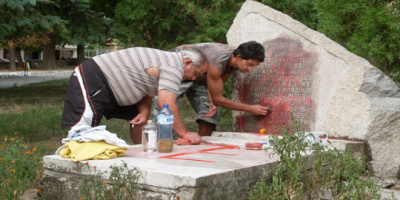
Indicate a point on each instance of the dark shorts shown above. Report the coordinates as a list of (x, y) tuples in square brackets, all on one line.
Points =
[(89, 98)]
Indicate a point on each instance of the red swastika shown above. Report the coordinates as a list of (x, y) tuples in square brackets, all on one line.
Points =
[(206, 151)]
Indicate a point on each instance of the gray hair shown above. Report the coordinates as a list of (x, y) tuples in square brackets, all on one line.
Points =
[(198, 58)]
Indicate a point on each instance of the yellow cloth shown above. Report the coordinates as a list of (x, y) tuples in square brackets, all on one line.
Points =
[(100, 150)]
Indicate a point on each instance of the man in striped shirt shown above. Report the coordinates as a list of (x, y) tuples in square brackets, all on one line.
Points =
[(121, 85)]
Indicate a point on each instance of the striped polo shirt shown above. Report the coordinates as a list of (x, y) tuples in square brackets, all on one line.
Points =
[(125, 71)]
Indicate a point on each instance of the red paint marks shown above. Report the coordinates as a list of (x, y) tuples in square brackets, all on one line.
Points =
[(284, 82), (205, 151), (209, 161)]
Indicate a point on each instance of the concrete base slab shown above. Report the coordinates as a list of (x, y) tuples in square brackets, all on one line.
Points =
[(359, 148), (219, 168), (205, 171)]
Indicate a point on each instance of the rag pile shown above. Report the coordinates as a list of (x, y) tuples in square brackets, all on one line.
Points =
[(92, 143)]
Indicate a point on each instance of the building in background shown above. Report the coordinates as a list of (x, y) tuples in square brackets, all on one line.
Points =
[(62, 53), (66, 52)]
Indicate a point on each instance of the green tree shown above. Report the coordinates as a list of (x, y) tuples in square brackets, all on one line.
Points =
[(165, 24), (367, 28), (301, 10), (92, 27), (22, 24), (105, 6), (82, 25)]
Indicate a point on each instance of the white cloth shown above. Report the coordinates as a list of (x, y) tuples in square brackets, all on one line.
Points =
[(314, 137), (91, 134)]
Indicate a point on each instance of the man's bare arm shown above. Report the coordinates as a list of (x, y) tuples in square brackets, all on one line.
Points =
[(215, 85), (213, 108), (143, 107), (167, 97)]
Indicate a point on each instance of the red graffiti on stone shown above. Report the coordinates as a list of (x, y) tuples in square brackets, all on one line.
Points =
[(283, 82)]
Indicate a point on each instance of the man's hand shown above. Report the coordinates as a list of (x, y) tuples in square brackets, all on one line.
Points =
[(259, 109), (139, 120), (211, 110), (192, 137)]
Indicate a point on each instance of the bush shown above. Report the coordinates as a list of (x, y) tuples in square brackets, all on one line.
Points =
[(307, 171), (120, 183), (20, 167)]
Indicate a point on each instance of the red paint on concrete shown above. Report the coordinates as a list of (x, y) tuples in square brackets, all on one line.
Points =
[(205, 151)]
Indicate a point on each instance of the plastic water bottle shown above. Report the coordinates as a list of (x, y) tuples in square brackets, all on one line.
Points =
[(165, 121), (149, 137)]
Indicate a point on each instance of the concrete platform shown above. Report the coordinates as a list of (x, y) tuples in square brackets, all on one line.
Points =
[(359, 148), (219, 168)]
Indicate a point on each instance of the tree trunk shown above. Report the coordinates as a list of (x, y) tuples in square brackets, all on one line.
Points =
[(49, 53), (13, 67), (81, 53), (21, 63)]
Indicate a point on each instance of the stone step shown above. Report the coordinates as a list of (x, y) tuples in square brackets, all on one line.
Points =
[(359, 148)]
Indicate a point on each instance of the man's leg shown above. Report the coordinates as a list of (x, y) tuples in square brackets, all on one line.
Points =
[(84, 103), (136, 134), (198, 98), (205, 128)]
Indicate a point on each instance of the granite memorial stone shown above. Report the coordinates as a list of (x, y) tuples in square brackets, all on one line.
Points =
[(310, 77)]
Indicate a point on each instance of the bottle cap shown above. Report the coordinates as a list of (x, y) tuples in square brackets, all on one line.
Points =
[(165, 106), (149, 121)]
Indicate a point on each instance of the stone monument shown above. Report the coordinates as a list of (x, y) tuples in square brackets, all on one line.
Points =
[(310, 77)]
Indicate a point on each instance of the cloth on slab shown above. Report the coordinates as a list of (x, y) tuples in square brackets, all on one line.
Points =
[(97, 133), (98, 150), (91, 134)]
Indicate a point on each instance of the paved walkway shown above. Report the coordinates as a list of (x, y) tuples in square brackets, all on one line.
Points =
[(18, 78)]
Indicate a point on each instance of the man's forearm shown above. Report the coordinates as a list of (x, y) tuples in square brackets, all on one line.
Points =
[(169, 98), (144, 105), (255, 109), (179, 126), (230, 104)]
